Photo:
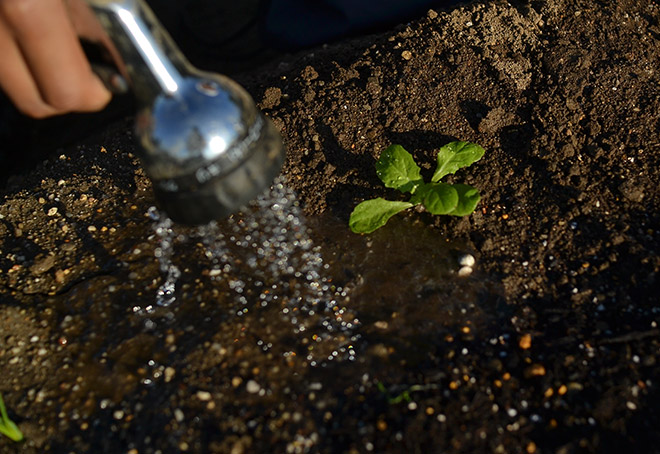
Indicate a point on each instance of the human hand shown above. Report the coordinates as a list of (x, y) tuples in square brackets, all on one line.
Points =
[(44, 70)]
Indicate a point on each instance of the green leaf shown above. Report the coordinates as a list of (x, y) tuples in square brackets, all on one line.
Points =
[(7, 426), (468, 197), (398, 170), (454, 156), (439, 198), (372, 214)]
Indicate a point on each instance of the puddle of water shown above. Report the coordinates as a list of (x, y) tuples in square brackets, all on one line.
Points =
[(265, 251), (284, 290)]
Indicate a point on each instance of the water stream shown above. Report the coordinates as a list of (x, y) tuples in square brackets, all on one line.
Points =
[(266, 256)]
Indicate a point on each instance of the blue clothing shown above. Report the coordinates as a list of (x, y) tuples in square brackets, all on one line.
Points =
[(302, 23)]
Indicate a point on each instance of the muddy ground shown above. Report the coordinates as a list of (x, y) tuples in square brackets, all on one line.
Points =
[(550, 346)]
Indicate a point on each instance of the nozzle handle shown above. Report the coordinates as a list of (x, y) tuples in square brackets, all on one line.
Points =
[(151, 62)]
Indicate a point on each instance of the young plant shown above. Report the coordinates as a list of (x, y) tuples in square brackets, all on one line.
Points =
[(7, 426), (397, 170)]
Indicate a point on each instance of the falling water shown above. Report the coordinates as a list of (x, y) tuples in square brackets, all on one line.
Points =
[(163, 227), (268, 250)]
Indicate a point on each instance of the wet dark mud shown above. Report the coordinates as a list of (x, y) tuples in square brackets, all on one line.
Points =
[(549, 345)]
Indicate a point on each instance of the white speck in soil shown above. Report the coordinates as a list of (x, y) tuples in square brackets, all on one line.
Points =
[(252, 387), (464, 271), (466, 260)]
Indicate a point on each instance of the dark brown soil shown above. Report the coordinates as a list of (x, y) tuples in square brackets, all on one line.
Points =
[(551, 346)]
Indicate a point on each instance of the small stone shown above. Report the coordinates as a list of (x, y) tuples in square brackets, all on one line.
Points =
[(91, 228), (52, 211), (631, 191), (236, 382), (252, 387), (43, 265), (535, 370), (406, 55), (381, 324), (466, 260), (464, 271), (272, 97), (178, 415), (525, 341), (431, 14), (169, 374), (204, 396)]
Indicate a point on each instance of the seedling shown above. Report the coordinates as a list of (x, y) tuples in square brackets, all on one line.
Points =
[(397, 170), (7, 426), (405, 394)]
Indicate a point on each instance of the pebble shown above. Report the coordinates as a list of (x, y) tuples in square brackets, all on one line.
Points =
[(406, 55), (466, 260), (535, 370), (252, 387), (381, 324), (204, 396), (464, 271), (525, 341), (52, 211), (169, 374), (43, 265)]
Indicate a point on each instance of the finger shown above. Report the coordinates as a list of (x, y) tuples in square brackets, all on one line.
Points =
[(87, 26), (16, 80), (84, 21), (53, 54)]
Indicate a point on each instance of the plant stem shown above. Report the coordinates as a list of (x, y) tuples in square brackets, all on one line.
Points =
[(7, 426)]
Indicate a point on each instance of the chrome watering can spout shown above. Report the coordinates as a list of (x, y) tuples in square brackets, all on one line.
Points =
[(206, 147)]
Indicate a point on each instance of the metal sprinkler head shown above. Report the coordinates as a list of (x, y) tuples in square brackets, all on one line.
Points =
[(206, 147)]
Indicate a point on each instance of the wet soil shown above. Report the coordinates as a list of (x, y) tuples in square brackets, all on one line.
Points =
[(550, 345)]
